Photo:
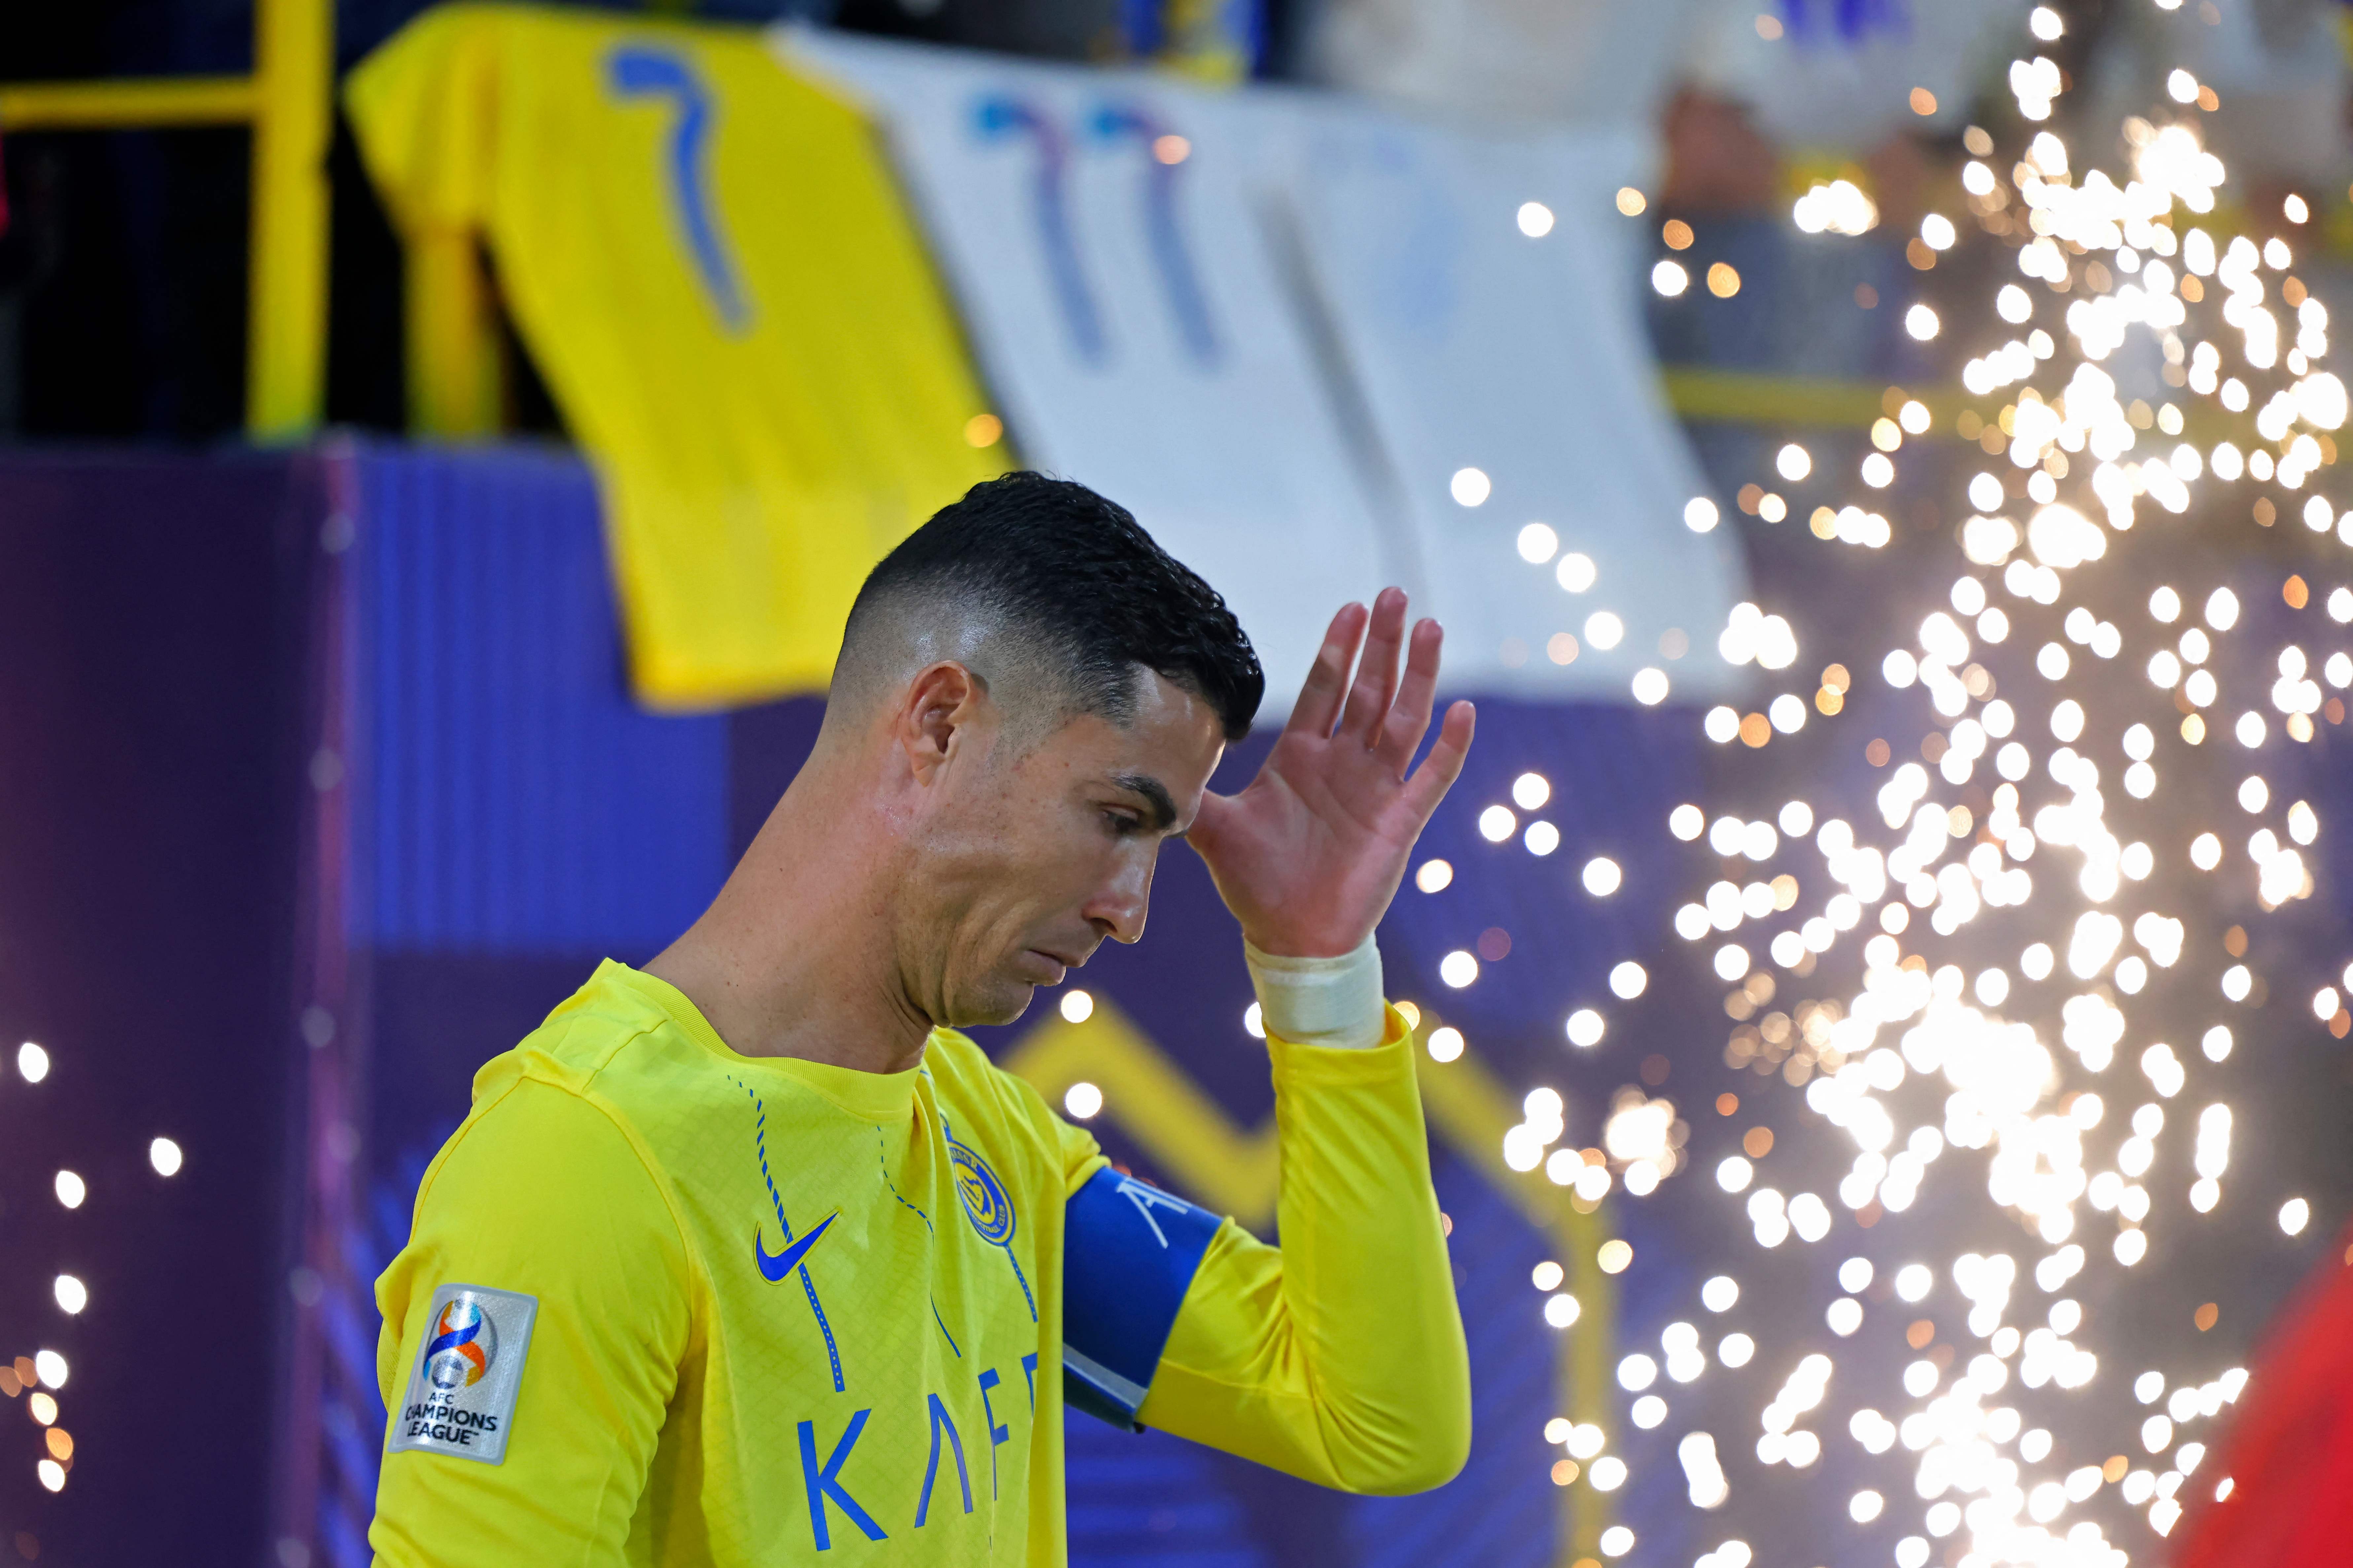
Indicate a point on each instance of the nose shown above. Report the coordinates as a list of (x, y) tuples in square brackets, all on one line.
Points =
[(1118, 908)]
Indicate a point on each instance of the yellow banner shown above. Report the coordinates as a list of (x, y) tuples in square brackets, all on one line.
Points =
[(711, 266)]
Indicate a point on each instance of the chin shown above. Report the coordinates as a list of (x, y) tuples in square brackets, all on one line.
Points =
[(1000, 1002)]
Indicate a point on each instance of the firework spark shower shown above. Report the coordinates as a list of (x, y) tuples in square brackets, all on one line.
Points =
[(2010, 986)]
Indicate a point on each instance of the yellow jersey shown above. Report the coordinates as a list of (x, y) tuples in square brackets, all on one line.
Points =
[(666, 1304)]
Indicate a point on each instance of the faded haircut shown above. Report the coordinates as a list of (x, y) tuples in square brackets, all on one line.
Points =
[(1073, 600)]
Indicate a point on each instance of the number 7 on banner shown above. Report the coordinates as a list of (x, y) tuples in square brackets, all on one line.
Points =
[(1162, 153), (639, 70), (1000, 117)]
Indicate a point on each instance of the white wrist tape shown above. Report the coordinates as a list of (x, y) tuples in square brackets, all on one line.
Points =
[(1330, 1002)]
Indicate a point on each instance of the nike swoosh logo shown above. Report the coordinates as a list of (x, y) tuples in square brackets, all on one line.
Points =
[(774, 1269)]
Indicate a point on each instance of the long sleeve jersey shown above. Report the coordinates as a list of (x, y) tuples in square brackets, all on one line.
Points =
[(666, 1304)]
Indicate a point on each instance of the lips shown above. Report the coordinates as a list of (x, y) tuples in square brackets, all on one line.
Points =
[(1054, 964)]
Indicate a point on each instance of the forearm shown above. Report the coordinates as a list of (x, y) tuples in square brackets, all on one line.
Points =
[(1339, 1358), (1367, 1284)]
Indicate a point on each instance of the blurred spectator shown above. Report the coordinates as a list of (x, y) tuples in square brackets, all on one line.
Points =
[(1048, 29), (1216, 40), (1732, 89), (1718, 160), (1821, 77)]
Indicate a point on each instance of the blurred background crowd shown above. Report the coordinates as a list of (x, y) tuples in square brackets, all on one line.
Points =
[(121, 282)]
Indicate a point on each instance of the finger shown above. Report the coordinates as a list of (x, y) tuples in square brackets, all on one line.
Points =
[(1438, 770), (1327, 678), (1409, 718), (1377, 671)]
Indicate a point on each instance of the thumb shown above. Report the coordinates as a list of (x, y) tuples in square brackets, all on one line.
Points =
[(1210, 823)]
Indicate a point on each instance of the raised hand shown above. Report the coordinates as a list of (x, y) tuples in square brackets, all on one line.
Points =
[(1308, 857)]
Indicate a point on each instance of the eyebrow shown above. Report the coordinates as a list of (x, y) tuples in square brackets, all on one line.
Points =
[(1164, 809)]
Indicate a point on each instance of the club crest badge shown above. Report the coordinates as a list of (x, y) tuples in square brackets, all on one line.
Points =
[(989, 1208)]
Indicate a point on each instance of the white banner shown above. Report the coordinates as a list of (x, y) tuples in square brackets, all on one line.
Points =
[(1480, 346), (1276, 325)]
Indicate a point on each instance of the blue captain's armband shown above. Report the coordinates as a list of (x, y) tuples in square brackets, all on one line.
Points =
[(1130, 1254)]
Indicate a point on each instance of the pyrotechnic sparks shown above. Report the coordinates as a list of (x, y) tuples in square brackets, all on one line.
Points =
[(2050, 1071)]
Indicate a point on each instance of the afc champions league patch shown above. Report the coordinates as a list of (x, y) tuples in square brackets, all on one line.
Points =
[(461, 1392)]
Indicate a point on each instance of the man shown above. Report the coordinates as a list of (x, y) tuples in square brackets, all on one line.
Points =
[(748, 1259)]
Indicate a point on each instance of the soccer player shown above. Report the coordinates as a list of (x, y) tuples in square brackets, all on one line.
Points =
[(747, 1258)]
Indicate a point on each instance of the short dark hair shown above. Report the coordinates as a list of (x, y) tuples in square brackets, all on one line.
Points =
[(1072, 575)]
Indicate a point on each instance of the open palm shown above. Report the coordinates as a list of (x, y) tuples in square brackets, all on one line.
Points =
[(1310, 854)]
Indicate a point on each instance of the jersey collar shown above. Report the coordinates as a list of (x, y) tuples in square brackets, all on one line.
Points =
[(875, 1096)]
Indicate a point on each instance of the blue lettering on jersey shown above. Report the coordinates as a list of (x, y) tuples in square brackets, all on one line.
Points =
[(997, 1435), (823, 1482), (941, 1423)]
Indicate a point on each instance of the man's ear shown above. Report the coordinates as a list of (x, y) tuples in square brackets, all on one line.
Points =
[(941, 712)]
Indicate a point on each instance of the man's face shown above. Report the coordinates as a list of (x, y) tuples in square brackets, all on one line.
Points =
[(1025, 859)]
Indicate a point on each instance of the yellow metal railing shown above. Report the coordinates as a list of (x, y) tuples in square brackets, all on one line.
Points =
[(1752, 397), (118, 105), (286, 101)]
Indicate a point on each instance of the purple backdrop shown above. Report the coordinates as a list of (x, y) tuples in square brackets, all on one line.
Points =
[(150, 661)]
